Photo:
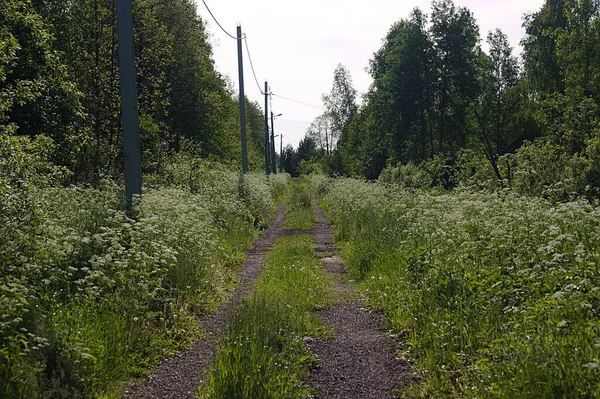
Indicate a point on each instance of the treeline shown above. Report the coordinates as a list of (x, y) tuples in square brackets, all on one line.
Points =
[(439, 101), (59, 78)]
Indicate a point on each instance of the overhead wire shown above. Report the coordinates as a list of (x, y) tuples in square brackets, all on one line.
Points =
[(223, 29), (293, 121), (298, 102), (252, 65)]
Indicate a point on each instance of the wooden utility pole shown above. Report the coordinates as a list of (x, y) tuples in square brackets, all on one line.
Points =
[(242, 102), (267, 147), (280, 153), (129, 107)]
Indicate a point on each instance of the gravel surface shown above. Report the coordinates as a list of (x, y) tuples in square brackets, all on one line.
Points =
[(359, 361), (180, 376)]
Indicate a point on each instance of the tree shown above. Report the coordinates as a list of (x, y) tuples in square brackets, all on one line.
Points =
[(497, 113), (290, 160), (340, 103), (578, 48), (455, 35), (402, 75), (320, 131), (539, 45), (37, 94), (255, 127)]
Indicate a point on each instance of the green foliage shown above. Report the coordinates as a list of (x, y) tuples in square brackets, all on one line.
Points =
[(406, 176), (435, 93), (263, 354), (340, 105), (495, 295), (90, 296), (36, 92)]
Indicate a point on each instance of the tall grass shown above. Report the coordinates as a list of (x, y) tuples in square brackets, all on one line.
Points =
[(263, 354), (89, 296), (300, 213), (495, 295)]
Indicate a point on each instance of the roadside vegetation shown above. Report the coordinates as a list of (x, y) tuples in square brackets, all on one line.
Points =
[(478, 235), (91, 296), (494, 294)]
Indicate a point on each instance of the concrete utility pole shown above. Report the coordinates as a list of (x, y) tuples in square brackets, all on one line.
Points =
[(129, 107), (280, 153), (242, 102), (267, 148), (273, 161)]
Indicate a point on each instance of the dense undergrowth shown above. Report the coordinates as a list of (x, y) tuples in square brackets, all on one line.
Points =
[(263, 354), (90, 296), (495, 294)]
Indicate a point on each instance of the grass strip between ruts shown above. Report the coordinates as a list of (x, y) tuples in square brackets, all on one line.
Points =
[(299, 211), (262, 353)]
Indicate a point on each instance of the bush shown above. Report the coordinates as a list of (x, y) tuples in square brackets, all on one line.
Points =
[(406, 176)]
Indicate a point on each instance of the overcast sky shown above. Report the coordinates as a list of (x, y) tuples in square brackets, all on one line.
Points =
[(296, 45)]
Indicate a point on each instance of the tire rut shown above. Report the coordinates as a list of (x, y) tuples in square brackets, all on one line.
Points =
[(359, 361)]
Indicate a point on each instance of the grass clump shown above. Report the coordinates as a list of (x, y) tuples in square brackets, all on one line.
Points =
[(263, 354), (299, 211), (495, 294)]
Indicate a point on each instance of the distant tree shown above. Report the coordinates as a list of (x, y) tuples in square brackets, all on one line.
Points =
[(255, 125), (497, 112), (290, 160), (307, 147), (320, 131), (402, 81), (539, 46), (340, 103)]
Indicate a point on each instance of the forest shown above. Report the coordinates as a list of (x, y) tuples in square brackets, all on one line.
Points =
[(463, 189), (443, 111)]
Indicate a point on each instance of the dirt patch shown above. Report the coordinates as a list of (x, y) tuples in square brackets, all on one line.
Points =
[(181, 376), (360, 361)]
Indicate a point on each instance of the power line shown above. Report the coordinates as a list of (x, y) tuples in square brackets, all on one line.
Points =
[(223, 29), (289, 120), (298, 102), (251, 65)]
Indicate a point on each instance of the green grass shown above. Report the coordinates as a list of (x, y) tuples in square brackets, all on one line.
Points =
[(263, 354), (299, 211), (90, 297), (495, 295)]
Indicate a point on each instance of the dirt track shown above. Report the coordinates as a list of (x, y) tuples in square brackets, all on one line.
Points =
[(359, 361)]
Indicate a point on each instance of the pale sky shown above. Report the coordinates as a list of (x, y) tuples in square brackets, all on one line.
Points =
[(296, 45)]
